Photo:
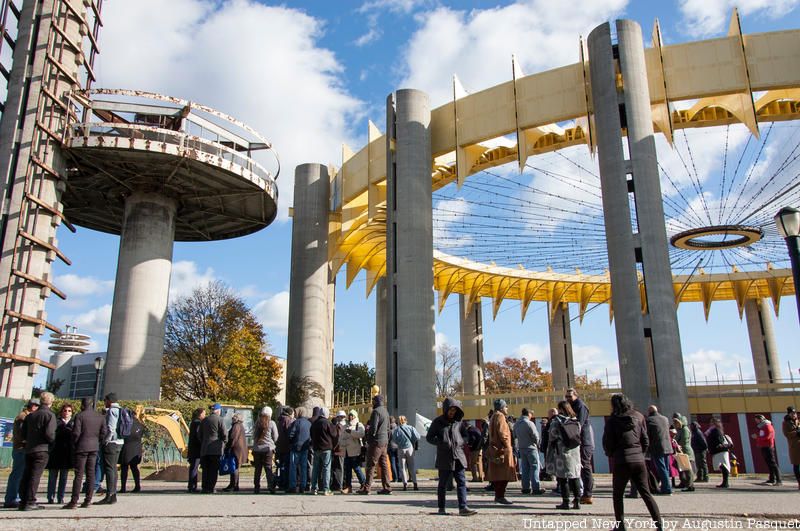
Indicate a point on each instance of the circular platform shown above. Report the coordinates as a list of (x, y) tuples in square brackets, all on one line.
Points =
[(221, 191)]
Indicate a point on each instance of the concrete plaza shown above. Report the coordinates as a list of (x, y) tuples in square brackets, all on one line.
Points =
[(165, 505)]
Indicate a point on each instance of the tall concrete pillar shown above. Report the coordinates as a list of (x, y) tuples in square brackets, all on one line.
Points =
[(308, 354), (561, 364), (380, 333), (409, 266), (762, 341), (635, 244), (141, 291), (31, 168), (471, 331)]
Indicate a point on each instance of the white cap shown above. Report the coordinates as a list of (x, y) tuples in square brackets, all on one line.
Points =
[(341, 413), (266, 411)]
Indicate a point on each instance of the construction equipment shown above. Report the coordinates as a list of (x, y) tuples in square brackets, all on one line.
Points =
[(171, 420)]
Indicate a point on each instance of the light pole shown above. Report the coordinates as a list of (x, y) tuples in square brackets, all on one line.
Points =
[(788, 221), (98, 366)]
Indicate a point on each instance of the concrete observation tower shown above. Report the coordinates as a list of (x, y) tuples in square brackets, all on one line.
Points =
[(154, 170)]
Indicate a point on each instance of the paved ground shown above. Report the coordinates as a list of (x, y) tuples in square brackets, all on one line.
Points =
[(164, 505)]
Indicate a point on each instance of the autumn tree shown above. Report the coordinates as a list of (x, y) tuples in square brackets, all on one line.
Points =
[(448, 370), (515, 374), (215, 349)]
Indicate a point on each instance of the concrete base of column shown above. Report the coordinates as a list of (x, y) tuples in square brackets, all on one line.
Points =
[(141, 292), (471, 332), (762, 341)]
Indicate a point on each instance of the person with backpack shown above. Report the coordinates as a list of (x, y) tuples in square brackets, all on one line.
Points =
[(502, 465), (118, 422), (625, 442), (406, 437), (564, 454), (528, 446)]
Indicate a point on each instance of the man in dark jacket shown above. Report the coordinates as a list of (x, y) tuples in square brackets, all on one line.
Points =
[(625, 441), (300, 442), (282, 449), (377, 436), (700, 447), (324, 438), (587, 443), (88, 432), (40, 432), (212, 436), (194, 447), (660, 446), (445, 434)]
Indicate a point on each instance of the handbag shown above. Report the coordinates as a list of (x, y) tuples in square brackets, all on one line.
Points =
[(227, 464), (683, 462)]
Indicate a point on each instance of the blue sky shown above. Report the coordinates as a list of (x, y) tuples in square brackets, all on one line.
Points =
[(309, 74)]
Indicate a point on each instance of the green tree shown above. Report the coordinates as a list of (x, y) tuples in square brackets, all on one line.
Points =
[(352, 377), (215, 349)]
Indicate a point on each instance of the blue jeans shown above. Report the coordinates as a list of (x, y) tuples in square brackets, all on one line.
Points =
[(353, 463), (529, 468), (461, 485), (99, 471), (662, 471), (298, 459), (14, 479), (322, 465)]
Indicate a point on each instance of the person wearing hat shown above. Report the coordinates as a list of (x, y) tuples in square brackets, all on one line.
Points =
[(236, 445), (337, 463), (88, 433), (18, 455), (265, 438), (765, 442), (324, 438), (791, 430), (502, 465), (39, 431), (377, 436), (212, 437), (350, 440)]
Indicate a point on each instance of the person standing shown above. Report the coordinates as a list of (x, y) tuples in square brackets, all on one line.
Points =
[(212, 437), (528, 446), (324, 438), (111, 449), (660, 447), (765, 442), (406, 437), (131, 456), (337, 461), (194, 446), (265, 437), (445, 433), (237, 445), (502, 467), (60, 461), (377, 436), (18, 455), (683, 438), (88, 433), (283, 447), (39, 429), (700, 449), (350, 440), (300, 442), (719, 445), (562, 461), (625, 442), (791, 430), (587, 443)]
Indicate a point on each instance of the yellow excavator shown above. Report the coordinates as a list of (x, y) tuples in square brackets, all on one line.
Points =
[(171, 420)]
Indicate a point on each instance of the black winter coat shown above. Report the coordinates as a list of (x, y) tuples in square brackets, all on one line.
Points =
[(61, 454), (699, 443), (625, 438), (658, 433), (195, 440), (88, 430), (445, 434), (132, 449), (40, 430)]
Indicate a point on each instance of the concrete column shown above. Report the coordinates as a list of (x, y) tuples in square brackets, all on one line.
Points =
[(762, 341), (20, 138), (561, 364), (308, 354), (380, 333), (471, 348), (643, 240), (141, 292), (411, 367)]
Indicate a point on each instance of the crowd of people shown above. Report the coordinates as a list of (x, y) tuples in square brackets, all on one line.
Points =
[(317, 452), (89, 443)]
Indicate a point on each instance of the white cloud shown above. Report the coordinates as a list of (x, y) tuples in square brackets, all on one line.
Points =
[(373, 32), (448, 214), (597, 363), (440, 339), (478, 44), (185, 278), (78, 286), (704, 18), (393, 6), (258, 63), (95, 321), (273, 312), (705, 364)]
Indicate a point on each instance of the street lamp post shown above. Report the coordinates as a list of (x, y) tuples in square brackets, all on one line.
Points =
[(98, 366), (788, 221)]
